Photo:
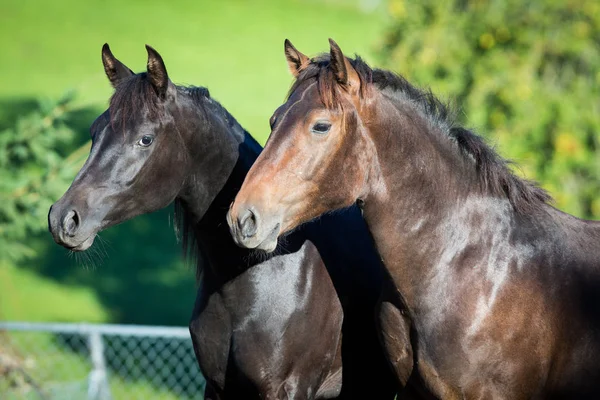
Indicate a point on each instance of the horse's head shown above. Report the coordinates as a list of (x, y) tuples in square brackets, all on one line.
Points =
[(316, 157), (137, 160)]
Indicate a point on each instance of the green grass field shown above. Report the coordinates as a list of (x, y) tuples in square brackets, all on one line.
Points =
[(233, 47)]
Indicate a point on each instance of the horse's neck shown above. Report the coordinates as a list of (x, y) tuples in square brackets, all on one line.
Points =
[(212, 185), (223, 259), (415, 184)]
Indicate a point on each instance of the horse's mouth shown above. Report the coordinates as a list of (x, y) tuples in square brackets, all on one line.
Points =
[(270, 242), (83, 246)]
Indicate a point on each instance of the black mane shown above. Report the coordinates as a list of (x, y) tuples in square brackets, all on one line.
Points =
[(495, 175), (184, 226), (136, 95)]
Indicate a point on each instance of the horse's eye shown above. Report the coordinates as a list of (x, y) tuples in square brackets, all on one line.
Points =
[(146, 140), (321, 128), (272, 121)]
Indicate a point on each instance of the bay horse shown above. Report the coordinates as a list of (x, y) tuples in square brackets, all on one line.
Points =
[(263, 326), (500, 289)]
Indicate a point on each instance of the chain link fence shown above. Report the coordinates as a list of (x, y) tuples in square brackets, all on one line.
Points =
[(97, 362)]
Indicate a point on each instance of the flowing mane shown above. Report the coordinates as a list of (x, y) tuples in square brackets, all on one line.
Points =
[(493, 171), (186, 235)]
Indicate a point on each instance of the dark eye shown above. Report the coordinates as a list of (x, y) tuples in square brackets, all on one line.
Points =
[(146, 140), (321, 128), (272, 121)]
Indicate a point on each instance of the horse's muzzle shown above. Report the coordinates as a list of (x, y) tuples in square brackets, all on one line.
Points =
[(250, 231), (64, 223)]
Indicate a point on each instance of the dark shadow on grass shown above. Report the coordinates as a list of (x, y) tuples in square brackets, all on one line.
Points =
[(136, 270), (12, 108)]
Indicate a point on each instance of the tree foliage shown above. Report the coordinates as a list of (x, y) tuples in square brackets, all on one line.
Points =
[(34, 173), (526, 74)]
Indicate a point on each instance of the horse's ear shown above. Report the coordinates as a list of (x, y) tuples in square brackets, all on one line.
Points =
[(115, 70), (157, 72), (296, 60), (344, 72)]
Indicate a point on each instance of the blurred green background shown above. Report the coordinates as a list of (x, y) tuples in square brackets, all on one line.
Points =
[(524, 74)]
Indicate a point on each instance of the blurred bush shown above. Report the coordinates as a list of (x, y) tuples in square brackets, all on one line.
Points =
[(34, 173), (527, 74)]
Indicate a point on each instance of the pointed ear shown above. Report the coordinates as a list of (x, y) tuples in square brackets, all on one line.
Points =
[(115, 70), (296, 60), (343, 71), (157, 73)]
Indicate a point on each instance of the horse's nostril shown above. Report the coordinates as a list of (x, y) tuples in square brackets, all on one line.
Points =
[(247, 224), (71, 223)]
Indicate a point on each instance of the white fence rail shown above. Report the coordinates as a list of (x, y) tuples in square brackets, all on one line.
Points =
[(51, 361)]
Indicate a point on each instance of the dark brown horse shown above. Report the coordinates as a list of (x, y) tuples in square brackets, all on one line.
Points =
[(263, 326), (502, 291)]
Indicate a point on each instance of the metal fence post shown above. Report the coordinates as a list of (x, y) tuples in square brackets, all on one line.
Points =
[(98, 388), (77, 360)]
